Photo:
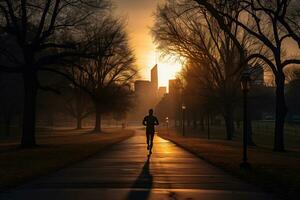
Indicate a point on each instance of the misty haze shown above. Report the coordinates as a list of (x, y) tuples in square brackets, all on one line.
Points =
[(149, 99)]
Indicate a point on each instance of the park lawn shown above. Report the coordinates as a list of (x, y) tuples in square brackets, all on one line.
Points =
[(54, 152), (272, 171)]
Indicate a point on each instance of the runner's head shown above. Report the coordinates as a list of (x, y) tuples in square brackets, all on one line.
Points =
[(151, 111)]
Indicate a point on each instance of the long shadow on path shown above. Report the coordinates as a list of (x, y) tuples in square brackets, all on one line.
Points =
[(141, 188)]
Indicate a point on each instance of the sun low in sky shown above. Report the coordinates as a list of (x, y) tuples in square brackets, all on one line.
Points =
[(140, 18)]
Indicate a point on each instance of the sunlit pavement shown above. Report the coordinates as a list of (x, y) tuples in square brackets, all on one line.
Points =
[(124, 172)]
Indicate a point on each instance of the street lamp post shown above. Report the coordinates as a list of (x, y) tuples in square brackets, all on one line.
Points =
[(245, 85), (208, 127), (183, 107), (167, 123)]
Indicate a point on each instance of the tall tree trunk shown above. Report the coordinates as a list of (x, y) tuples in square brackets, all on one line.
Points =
[(238, 123), (250, 141), (7, 126), (98, 122), (195, 123), (229, 123), (79, 123), (208, 126), (98, 119), (29, 114), (202, 123), (281, 111)]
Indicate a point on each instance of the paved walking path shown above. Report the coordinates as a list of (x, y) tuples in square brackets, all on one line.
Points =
[(124, 172)]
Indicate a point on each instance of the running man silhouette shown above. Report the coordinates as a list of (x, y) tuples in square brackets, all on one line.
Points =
[(150, 122)]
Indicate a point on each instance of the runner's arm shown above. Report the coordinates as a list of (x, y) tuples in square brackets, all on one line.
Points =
[(156, 121), (145, 121)]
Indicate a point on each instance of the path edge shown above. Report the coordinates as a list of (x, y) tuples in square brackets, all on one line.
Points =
[(46, 174)]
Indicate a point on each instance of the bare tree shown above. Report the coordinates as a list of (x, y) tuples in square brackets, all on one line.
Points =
[(272, 24), (78, 105), (195, 96), (38, 29), (107, 77), (213, 62)]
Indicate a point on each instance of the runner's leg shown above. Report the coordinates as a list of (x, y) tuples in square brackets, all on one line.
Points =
[(148, 139), (151, 138)]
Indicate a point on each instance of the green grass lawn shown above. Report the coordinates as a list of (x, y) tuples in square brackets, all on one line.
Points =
[(56, 150), (272, 171)]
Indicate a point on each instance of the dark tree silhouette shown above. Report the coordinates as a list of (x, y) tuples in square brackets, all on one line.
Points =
[(107, 77), (213, 63), (38, 29), (272, 24), (78, 105)]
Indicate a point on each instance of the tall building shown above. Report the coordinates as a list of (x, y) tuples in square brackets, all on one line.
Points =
[(154, 77), (258, 75), (172, 86), (141, 86), (147, 95)]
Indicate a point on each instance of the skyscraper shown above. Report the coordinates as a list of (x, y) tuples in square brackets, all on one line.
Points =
[(154, 78), (172, 86), (147, 95)]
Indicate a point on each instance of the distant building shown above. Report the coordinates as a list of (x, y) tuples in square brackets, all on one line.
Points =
[(154, 77), (174, 87), (147, 94), (161, 92), (257, 75), (141, 86)]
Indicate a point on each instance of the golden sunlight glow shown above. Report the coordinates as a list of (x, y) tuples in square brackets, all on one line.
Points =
[(168, 68), (139, 17)]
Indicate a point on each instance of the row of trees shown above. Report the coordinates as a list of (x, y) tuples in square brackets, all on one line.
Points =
[(221, 39), (78, 40)]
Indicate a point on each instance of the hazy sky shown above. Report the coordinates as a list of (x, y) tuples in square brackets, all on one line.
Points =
[(139, 16)]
